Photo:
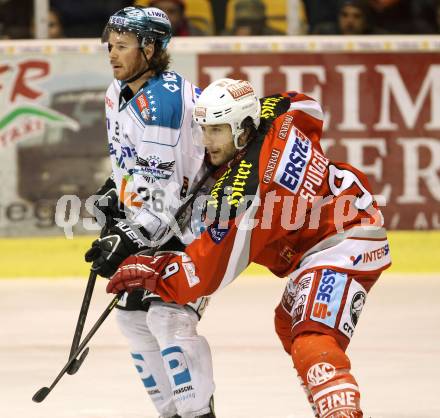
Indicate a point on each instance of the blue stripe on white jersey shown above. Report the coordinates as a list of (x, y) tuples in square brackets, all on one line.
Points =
[(160, 102)]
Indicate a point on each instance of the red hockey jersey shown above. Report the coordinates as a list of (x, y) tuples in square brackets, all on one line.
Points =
[(284, 205)]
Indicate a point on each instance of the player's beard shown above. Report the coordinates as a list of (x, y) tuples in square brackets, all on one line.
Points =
[(129, 73)]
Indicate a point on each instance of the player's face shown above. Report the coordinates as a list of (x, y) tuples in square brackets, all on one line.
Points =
[(352, 21), (125, 56), (219, 143)]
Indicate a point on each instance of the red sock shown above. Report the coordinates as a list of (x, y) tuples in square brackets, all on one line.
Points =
[(325, 370)]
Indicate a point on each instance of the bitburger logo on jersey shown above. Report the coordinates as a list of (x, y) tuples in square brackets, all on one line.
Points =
[(239, 183), (215, 194), (268, 107), (233, 186), (274, 106)]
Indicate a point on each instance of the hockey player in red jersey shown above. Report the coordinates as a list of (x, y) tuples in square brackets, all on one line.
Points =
[(279, 202)]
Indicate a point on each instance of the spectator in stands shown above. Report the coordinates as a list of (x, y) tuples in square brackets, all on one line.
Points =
[(425, 16), (321, 14), (393, 16), (55, 25), (404, 16), (218, 10), (175, 9), (86, 18), (250, 19), (387, 16), (353, 19), (55, 28), (16, 18)]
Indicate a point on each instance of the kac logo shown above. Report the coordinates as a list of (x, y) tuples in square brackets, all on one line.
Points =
[(320, 373)]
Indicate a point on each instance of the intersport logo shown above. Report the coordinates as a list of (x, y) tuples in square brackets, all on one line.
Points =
[(371, 256)]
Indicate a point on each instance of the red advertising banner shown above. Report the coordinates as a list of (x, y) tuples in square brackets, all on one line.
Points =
[(382, 116), (381, 97)]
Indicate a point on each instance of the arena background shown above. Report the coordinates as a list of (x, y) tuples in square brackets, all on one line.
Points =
[(381, 96)]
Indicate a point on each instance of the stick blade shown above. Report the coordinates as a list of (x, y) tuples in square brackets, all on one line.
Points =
[(76, 364), (41, 394)]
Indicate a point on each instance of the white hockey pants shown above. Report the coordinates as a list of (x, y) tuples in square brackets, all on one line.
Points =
[(173, 361)]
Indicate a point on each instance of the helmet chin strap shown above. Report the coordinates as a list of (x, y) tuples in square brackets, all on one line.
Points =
[(142, 72), (238, 132)]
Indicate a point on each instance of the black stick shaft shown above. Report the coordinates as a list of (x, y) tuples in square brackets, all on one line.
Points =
[(82, 316), (83, 312)]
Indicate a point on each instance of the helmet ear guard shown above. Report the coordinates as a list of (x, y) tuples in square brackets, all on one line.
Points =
[(228, 101)]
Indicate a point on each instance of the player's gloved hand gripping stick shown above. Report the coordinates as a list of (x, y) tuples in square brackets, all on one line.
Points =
[(42, 393)]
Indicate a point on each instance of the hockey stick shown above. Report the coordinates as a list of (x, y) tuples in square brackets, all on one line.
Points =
[(76, 363), (82, 316), (42, 393)]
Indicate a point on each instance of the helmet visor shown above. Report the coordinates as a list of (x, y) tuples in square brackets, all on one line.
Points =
[(206, 135), (113, 34), (120, 41)]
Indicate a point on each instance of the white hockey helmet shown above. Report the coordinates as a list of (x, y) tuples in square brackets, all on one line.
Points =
[(228, 101)]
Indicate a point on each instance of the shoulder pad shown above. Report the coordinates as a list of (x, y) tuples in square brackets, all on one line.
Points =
[(274, 106), (160, 103), (170, 81)]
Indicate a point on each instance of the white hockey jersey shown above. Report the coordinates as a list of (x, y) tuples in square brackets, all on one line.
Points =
[(154, 159)]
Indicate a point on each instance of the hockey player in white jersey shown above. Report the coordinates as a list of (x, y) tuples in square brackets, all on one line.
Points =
[(154, 162)]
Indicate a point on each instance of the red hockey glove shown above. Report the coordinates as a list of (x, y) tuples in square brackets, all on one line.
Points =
[(138, 272)]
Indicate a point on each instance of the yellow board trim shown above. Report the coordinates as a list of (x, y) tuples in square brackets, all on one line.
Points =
[(58, 257)]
